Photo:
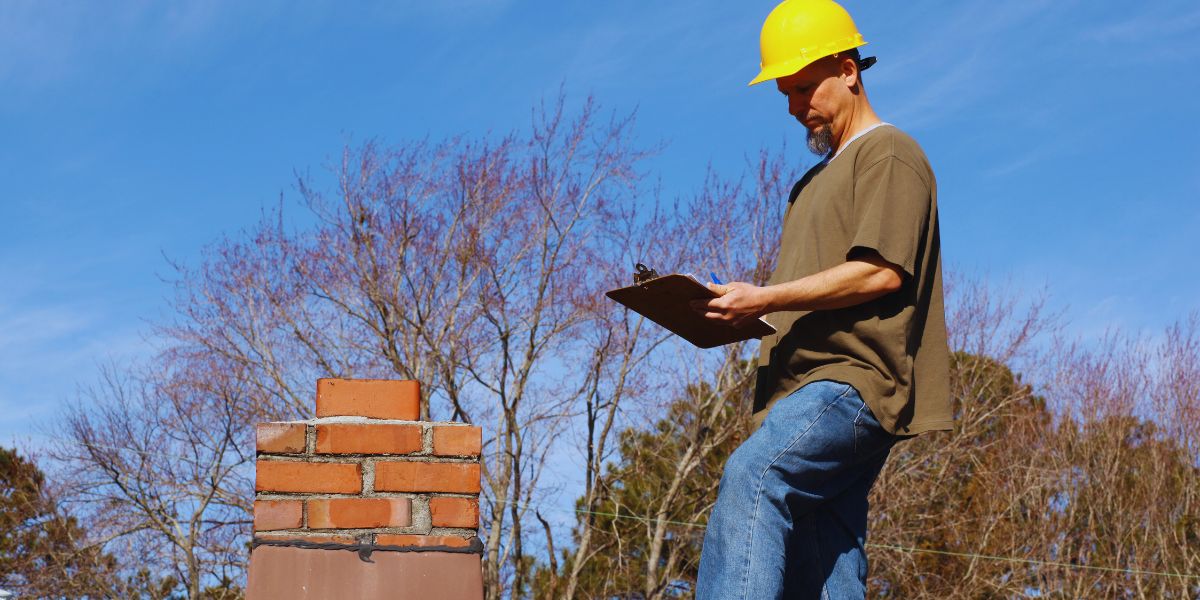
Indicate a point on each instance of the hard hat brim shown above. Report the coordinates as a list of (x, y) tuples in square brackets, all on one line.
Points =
[(793, 66), (778, 70)]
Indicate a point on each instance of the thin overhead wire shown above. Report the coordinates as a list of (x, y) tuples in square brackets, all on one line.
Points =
[(906, 549), (1034, 561), (911, 550)]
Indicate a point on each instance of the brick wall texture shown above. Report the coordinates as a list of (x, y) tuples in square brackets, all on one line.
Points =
[(366, 471)]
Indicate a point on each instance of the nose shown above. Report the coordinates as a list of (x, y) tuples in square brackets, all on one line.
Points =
[(796, 105)]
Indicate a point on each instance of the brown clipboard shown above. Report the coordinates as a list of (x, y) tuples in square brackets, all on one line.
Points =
[(665, 300)]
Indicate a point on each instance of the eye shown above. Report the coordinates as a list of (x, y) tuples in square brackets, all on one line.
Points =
[(800, 90)]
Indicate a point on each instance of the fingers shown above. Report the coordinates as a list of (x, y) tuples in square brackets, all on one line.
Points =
[(709, 309), (743, 321), (722, 308)]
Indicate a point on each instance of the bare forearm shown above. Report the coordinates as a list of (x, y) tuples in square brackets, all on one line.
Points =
[(848, 284)]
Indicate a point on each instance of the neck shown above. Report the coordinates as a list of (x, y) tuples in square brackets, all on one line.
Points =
[(858, 116)]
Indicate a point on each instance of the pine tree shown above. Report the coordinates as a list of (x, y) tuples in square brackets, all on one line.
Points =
[(43, 551)]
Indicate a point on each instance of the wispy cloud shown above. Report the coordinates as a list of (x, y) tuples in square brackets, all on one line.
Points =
[(21, 328), (1039, 152), (58, 322), (47, 353), (943, 60), (1149, 29), (42, 44), (1014, 166), (668, 46), (945, 94), (457, 10), (46, 43), (1147, 38), (36, 340)]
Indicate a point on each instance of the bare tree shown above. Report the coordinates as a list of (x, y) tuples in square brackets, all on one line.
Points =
[(158, 463), (475, 267)]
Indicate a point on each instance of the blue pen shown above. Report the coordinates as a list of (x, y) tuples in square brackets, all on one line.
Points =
[(714, 278)]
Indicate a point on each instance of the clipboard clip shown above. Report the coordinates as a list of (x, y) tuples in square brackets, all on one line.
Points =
[(643, 274)]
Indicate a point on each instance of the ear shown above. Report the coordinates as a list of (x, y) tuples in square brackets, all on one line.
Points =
[(849, 71)]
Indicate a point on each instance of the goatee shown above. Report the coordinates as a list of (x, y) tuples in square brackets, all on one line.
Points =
[(820, 140)]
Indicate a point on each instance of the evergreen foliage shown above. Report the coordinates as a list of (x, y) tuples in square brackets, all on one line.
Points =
[(43, 552)]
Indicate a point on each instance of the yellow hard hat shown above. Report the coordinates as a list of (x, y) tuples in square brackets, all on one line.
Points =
[(798, 32)]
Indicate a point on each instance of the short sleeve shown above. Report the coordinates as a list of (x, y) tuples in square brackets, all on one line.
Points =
[(892, 204)]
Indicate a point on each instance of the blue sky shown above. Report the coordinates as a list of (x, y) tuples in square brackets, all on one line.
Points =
[(132, 132)]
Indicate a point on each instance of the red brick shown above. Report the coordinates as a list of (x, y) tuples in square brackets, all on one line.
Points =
[(457, 440), (306, 477), (313, 539), (454, 512), (277, 514), (374, 398), (359, 513), (359, 438), (421, 541), (401, 476), (280, 437)]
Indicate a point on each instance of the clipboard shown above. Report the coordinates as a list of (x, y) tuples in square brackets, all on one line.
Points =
[(665, 299)]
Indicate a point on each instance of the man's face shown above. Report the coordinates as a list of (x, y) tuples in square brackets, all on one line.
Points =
[(814, 96)]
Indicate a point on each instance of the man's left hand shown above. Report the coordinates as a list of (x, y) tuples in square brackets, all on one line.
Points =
[(738, 302)]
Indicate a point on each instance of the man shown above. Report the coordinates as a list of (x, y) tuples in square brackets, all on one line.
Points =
[(860, 359)]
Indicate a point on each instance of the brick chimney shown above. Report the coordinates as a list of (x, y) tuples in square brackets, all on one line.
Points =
[(366, 501)]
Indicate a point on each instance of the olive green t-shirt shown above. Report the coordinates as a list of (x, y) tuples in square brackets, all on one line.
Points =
[(878, 195)]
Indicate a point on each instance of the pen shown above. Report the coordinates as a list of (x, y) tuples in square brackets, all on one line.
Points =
[(713, 276)]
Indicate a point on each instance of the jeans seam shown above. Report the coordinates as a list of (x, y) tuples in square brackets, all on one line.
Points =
[(758, 494), (825, 581), (857, 421), (845, 392), (821, 566)]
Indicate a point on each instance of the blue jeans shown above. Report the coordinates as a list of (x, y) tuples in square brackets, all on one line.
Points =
[(791, 514)]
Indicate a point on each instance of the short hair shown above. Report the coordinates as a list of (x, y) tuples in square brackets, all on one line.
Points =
[(863, 63)]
